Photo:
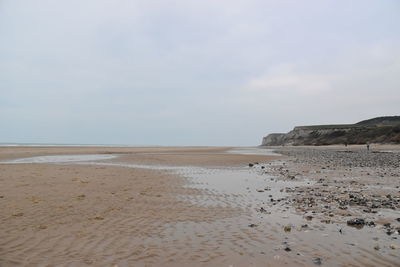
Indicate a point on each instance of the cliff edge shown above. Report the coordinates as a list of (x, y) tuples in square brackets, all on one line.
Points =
[(376, 130)]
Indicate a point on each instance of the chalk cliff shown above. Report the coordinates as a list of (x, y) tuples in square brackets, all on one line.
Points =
[(376, 130)]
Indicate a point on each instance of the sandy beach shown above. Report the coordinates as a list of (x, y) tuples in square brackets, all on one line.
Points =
[(199, 133), (203, 206)]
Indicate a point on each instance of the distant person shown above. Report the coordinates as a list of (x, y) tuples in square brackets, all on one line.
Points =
[(368, 146)]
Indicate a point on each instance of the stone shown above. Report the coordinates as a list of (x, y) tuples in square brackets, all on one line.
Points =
[(357, 223), (309, 218), (317, 261)]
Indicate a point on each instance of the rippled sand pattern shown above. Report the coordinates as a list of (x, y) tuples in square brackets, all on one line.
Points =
[(91, 214), (126, 214)]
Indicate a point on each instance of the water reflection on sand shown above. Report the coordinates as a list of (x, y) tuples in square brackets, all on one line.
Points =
[(268, 229)]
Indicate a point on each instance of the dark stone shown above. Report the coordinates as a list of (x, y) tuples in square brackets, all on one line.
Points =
[(371, 223), (357, 223), (263, 210), (317, 261), (389, 232)]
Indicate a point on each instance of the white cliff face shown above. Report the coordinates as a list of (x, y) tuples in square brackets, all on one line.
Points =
[(275, 139), (299, 136)]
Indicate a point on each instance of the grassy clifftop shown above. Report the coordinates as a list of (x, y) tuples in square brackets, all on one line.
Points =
[(375, 122)]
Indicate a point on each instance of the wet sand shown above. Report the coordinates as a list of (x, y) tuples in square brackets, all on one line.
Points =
[(180, 206)]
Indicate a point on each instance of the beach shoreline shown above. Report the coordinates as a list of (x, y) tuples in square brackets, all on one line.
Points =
[(164, 207)]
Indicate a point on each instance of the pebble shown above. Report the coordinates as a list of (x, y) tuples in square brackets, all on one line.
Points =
[(357, 222), (309, 218), (287, 228), (317, 261)]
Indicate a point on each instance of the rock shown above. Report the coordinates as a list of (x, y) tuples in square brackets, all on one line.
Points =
[(288, 249), (309, 218), (317, 261), (357, 223), (393, 246), (262, 210), (252, 225), (371, 223), (287, 228), (251, 164), (377, 247)]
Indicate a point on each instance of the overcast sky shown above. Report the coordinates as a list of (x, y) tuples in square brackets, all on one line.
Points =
[(183, 72)]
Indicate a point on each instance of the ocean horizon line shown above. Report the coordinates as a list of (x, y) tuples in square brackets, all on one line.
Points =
[(73, 144), (13, 144)]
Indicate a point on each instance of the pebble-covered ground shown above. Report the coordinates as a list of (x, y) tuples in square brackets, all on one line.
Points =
[(352, 186)]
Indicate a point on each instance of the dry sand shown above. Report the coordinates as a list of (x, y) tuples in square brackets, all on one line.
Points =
[(114, 214)]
